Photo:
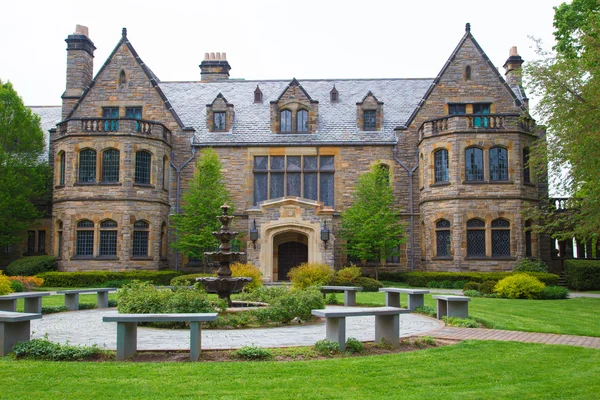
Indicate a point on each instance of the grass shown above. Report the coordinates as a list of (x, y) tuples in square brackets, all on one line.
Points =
[(59, 300), (494, 370), (577, 316)]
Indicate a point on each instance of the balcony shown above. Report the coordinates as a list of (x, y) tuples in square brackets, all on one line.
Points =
[(112, 126), (476, 123)]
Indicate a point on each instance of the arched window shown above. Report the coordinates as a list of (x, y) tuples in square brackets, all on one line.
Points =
[(122, 79), (286, 121), (61, 168), (87, 166), (528, 246), (110, 165), (108, 238), (165, 176), (475, 238), (474, 164), (442, 238), (526, 174), (59, 238), (141, 230), (85, 238), (163, 240), (500, 238), (142, 167), (302, 121), (468, 73), (498, 164), (441, 166)]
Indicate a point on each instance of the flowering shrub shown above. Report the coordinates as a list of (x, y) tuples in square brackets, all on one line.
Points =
[(5, 287), (349, 274), (310, 274), (30, 282), (247, 270), (519, 286)]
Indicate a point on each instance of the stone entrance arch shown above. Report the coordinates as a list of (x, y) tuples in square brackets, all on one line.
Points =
[(290, 249)]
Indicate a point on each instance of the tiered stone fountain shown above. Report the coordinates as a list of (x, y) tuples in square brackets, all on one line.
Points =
[(224, 284)]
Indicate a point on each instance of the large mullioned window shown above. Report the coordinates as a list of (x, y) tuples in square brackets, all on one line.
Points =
[(498, 164), (87, 166), (142, 167), (442, 238), (475, 238), (110, 166), (474, 164), (140, 238), (108, 238), (85, 238)]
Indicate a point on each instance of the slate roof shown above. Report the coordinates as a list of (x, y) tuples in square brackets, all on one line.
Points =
[(336, 121), (49, 116)]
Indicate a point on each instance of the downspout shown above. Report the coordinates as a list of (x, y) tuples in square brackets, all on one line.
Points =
[(411, 233), (178, 170)]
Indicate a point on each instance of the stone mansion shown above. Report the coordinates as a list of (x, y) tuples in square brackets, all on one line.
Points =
[(124, 144)]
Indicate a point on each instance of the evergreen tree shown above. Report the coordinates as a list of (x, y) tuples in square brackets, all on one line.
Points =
[(201, 206), (24, 172), (371, 226)]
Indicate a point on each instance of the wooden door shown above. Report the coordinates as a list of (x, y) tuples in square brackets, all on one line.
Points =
[(290, 255)]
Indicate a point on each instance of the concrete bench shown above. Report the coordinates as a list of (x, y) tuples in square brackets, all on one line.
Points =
[(127, 330), (387, 322), (32, 301), (452, 306), (415, 297), (72, 297), (14, 327), (349, 293)]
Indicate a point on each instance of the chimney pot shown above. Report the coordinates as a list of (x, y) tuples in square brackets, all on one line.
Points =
[(212, 56), (206, 56), (513, 51), (223, 56), (81, 30), (218, 56)]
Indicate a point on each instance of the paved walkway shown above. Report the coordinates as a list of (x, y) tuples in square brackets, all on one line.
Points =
[(86, 328)]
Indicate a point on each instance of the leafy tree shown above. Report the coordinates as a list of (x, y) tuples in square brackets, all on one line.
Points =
[(567, 83), (201, 206), (371, 227), (23, 172)]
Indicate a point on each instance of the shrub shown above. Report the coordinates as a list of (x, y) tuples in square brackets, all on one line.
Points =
[(143, 298), (447, 284), (310, 274), (29, 282), (471, 286), (5, 285), (267, 294), (426, 310), (43, 349), (112, 303), (253, 353), (459, 285), (327, 347), (17, 286), (433, 284), (116, 283), (422, 279), (53, 309), (87, 306), (354, 345), (527, 265), (472, 293), (369, 284), (188, 279), (460, 322), (554, 293), (98, 278), (29, 266), (331, 299), (348, 274), (520, 286), (583, 274), (487, 287), (424, 341), (247, 270), (295, 304)]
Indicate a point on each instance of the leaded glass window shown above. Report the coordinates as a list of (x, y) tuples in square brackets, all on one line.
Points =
[(62, 164), (140, 238), (475, 238), (30, 242), (441, 166), (85, 238), (498, 164), (286, 121), (219, 121), (136, 113), (112, 116), (480, 121), (142, 167), (59, 238), (500, 238), (442, 236), (110, 165), (108, 238), (457, 109), (302, 121), (526, 174), (87, 166), (165, 175), (41, 245), (369, 120), (474, 164)]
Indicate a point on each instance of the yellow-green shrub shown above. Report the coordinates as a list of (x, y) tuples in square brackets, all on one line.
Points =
[(519, 286), (248, 270), (29, 282), (348, 274), (310, 274), (5, 287)]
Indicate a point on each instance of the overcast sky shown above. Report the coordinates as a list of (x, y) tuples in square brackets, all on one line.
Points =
[(263, 39)]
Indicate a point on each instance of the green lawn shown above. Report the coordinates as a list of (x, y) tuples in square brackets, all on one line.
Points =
[(59, 300), (578, 316), (469, 370)]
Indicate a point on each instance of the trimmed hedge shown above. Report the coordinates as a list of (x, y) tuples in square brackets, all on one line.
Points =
[(420, 279), (583, 274), (98, 278), (29, 266), (188, 278)]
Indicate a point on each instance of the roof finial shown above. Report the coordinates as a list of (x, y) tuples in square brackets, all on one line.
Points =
[(468, 28), (124, 32)]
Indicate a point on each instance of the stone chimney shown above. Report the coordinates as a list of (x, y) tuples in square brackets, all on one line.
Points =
[(514, 74), (214, 67), (80, 67)]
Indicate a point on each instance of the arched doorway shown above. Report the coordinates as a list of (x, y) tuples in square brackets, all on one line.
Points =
[(291, 250)]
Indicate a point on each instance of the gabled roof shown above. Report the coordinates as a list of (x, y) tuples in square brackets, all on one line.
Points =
[(293, 83), (367, 95), (153, 79)]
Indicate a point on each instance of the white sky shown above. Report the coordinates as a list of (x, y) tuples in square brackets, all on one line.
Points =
[(263, 39)]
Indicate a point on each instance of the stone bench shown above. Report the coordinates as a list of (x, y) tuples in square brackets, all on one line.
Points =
[(14, 327), (127, 330), (415, 297), (387, 322), (349, 293), (452, 306), (32, 301), (72, 297)]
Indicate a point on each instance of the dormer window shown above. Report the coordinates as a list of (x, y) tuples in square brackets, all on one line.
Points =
[(294, 111), (258, 96), (369, 114), (370, 120), (219, 115), (219, 121), (333, 95), (286, 121)]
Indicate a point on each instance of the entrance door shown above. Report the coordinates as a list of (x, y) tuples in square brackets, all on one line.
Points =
[(290, 255)]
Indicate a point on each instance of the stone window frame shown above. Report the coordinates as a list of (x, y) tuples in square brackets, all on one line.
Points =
[(59, 239), (468, 73), (369, 103), (141, 235), (483, 170), (489, 226), (294, 99), (491, 166), (219, 105), (475, 227), (116, 166), (165, 173), (84, 226), (122, 79), (108, 226), (137, 177), (435, 177), (62, 164), (89, 165), (526, 153), (497, 228), (440, 227)]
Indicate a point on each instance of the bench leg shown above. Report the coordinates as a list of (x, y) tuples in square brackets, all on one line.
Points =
[(8, 305), (11, 333), (392, 299), (195, 340), (126, 340), (415, 301), (102, 301), (72, 301), (442, 308), (388, 327), (349, 298), (33, 305), (459, 309), (335, 329)]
